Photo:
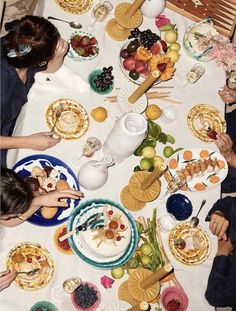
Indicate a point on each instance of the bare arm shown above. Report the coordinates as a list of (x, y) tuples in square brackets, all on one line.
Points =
[(6, 277), (55, 63)]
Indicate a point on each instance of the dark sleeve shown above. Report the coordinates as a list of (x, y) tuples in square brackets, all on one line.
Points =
[(6, 92), (221, 287), (226, 205)]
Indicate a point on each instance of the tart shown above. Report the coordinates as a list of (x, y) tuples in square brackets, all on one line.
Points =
[(63, 246)]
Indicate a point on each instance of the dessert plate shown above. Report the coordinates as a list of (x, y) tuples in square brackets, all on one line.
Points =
[(74, 6), (197, 241), (123, 249), (24, 167), (26, 257), (202, 117), (73, 121), (43, 306)]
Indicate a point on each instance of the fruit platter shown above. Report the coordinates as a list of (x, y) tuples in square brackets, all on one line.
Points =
[(145, 52), (83, 46)]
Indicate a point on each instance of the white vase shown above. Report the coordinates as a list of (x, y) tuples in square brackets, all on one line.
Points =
[(153, 8), (125, 137)]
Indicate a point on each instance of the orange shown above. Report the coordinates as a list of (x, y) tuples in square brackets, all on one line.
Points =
[(99, 114), (153, 112)]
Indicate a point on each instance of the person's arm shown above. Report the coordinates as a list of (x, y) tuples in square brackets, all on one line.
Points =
[(222, 279), (227, 95), (55, 63), (50, 199), (38, 141), (6, 277), (225, 145)]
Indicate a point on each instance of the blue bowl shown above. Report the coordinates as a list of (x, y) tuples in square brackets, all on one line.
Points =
[(180, 206), (93, 75)]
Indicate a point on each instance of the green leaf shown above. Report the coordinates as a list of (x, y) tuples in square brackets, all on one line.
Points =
[(162, 138), (170, 139), (178, 149), (167, 27), (137, 168)]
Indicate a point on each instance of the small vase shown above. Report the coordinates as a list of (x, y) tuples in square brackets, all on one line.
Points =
[(93, 174), (153, 8)]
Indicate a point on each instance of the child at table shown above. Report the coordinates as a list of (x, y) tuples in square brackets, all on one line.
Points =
[(33, 44), (18, 204)]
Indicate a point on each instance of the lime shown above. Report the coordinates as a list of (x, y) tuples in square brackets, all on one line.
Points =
[(145, 164), (148, 152), (117, 273), (145, 259), (168, 151), (146, 249)]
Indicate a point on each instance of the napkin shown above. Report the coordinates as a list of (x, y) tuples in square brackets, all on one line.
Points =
[(65, 78)]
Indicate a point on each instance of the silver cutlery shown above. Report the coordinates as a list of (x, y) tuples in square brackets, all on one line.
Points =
[(75, 25), (31, 272), (58, 114), (195, 220)]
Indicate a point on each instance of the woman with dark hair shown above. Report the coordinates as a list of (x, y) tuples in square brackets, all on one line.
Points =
[(32, 45)]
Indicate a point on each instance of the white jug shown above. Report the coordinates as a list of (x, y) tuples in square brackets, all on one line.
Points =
[(153, 8), (125, 137)]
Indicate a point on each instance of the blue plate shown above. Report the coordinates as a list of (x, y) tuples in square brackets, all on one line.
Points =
[(180, 206), (24, 167), (89, 209)]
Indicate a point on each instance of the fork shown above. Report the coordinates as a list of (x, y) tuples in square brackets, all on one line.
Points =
[(58, 114), (31, 272)]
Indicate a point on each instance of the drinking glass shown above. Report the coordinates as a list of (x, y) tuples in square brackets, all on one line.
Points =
[(169, 114), (195, 73), (100, 12), (166, 222)]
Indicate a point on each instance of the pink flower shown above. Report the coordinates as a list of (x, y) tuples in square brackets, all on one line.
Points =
[(161, 20), (106, 281)]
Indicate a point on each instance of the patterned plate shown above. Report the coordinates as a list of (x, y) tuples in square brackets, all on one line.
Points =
[(73, 121), (86, 211), (194, 253), (201, 117), (75, 6), (28, 256)]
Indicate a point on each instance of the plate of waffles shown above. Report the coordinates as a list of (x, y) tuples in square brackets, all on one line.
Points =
[(26, 257), (75, 6), (190, 246), (203, 117), (73, 120)]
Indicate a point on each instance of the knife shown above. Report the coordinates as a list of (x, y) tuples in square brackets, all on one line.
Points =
[(80, 227)]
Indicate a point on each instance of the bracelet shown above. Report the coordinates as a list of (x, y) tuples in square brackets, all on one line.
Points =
[(21, 217)]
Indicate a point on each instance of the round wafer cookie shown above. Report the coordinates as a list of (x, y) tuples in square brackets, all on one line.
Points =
[(124, 294), (115, 31), (127, 22), (129, 201), (147, 195)]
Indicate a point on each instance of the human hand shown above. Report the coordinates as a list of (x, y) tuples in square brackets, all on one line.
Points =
[(218, 225), (6, 277), (61, 48), (227, 95), (53, 198), (225, 248), (225, 144), (41, 141)]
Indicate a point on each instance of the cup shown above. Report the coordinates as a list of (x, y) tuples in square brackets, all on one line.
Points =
[(101, 10), (166, 222), (195, 73)]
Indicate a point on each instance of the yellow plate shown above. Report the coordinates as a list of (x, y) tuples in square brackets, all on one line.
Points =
[(75, 6), (201, 117), (73, 121), (28, 256)]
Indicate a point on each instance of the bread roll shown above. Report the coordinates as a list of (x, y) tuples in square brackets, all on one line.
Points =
[(62, 185), (48, 212)]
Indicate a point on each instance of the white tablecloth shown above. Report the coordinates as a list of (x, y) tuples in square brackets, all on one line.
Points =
[(32, 119)]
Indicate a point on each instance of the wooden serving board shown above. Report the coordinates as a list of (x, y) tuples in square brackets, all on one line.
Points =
[(222, 12)]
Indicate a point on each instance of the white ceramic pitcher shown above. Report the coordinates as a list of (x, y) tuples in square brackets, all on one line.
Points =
[(153, 8), (125, 137)]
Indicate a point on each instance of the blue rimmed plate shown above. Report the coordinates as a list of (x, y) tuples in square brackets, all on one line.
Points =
[(86, 211), (24, 167)]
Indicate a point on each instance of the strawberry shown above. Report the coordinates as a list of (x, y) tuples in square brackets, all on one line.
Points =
[(173, 305), (180, 243), (92, 50), (74, 43), (164, 45), (140, 66), (211, 133), (29, 259), (129, 63), (84, 40), (92, 41)]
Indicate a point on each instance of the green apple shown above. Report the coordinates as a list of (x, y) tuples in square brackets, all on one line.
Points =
[(148, 152), (145, 164), (171, 36), (157, 160), (117, 273), (146, 249)]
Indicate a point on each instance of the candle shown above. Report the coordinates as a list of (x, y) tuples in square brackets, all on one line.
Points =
[(151, 79), (156, 276), (134, 7)]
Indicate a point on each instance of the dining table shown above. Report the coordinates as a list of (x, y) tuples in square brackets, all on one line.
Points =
[(71, 82)]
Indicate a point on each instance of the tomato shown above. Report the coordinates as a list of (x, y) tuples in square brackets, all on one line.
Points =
[(180, 243)]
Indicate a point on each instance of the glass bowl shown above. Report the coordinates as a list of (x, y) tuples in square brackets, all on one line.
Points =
[(92, 76), (179, 206), (96, 303), (44, 306), (174, 293)]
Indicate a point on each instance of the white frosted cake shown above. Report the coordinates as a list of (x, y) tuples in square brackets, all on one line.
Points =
[(68, 121), (110, 241)]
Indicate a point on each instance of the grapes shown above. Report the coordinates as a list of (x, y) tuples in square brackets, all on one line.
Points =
[(85, 296), (104, 80), (147, 38)]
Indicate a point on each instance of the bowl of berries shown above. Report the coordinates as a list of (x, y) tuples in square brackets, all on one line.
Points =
[(43, 306), (101, 80), (83, 46), (137, 53), (86, 297), (174, 298)]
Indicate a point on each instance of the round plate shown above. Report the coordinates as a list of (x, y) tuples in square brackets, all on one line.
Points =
[(83, 213), (173, 292), (93, 75), (80, 116), (180, 206), (117, 306), (122, 98), (201, 117), (191, 254), (28, 256), (44, 306), (74, 6), (24, 167), (74, 55), (205, 181)]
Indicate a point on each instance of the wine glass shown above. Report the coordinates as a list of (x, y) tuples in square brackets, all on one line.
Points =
[(100, 12)]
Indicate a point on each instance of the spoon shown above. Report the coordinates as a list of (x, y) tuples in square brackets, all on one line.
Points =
[(31, 272), (75, 25), (195, 220)]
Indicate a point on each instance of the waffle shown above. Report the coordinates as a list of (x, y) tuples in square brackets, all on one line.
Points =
[(189, 256), (28, 256), (202, 117), (75, 6), (73, 122), (129, 201)]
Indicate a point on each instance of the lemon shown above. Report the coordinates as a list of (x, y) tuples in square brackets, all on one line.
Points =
[(174, 46), (153, 112), (170, 36), (168, 151), (148, 152), (174, 55), (157, 160), (145, 164), (99, 114)]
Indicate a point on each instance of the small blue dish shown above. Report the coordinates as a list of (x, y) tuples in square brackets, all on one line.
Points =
[(44, 306), (93, 75), (180, 206)]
